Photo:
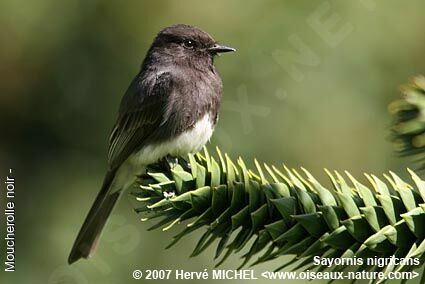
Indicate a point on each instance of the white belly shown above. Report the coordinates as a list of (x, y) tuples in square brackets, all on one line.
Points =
[(190, 141)]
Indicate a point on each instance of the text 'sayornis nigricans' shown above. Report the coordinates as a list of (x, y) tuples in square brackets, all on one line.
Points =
[(170, 108)]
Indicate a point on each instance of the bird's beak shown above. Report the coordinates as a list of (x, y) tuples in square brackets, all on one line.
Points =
[(218, 48)]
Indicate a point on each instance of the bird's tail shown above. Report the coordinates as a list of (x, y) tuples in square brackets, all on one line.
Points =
[(87, 239)]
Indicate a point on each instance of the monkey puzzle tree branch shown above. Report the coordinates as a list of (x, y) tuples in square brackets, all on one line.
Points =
[(286, 212), (408, 130)]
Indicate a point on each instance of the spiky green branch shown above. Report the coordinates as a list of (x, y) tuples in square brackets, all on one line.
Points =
[(291, 213), (408, 131), (288, 213)]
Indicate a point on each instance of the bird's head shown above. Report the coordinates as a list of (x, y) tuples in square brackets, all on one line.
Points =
[(186, 44)]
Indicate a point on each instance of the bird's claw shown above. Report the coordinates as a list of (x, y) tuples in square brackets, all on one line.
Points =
[(172, 161)]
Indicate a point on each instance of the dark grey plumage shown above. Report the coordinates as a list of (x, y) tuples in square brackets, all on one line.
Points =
[(175, 88)]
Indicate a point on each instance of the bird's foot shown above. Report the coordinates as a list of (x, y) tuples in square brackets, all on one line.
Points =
[(169, 162), (172, 161)]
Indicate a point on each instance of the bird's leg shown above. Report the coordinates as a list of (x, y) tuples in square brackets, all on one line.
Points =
[(172, 161)]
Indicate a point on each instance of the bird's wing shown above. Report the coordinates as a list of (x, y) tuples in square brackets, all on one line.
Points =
[(139, 117)]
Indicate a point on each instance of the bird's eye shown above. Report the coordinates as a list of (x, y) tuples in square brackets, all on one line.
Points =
[(189, 43)]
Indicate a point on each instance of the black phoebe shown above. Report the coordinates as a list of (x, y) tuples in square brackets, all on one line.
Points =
[(170, 108)]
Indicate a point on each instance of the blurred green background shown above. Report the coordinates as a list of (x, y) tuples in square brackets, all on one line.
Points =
[(66, 64)]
